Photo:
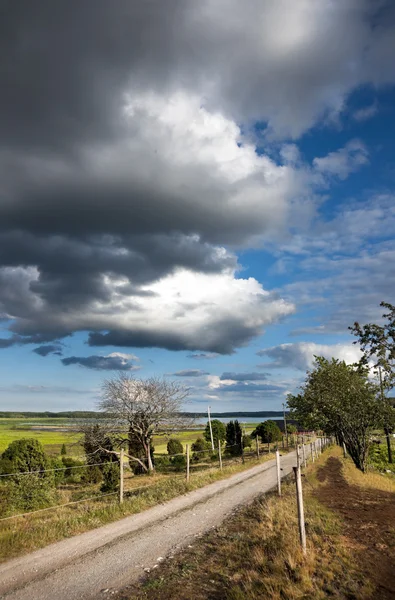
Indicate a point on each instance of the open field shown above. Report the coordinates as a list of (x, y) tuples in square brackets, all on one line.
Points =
[(52, 439), (256, 554)]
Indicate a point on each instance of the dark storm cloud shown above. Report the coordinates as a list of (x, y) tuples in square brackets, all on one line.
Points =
[(100, 363), (91, 194), (49, 349), (244, 376)]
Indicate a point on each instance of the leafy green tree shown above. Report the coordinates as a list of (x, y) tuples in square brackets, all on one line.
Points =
[(234, 436), (63, 450), (377, 343), (174, 446), (268, 431), (340, 400), (219, 432)]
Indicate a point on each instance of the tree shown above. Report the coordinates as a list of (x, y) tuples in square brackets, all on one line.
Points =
[(63, 450), (268, 431), (339, 399), (174, 446), (234, 436), (142, 407), (219, 432), (377, 343)]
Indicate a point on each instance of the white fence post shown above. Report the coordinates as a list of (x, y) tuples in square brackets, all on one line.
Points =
[(121, 476), (219, 454), (304, 456), (278, 472), (187, 449), (299, 498), (257, 446)]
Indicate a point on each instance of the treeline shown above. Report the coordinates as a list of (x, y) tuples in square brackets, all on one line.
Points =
[(86, 414)]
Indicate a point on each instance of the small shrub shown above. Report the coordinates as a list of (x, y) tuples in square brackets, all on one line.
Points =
[(178, 462), (30, 492), (71, 474), (110, 477), (92, 474), (200, 449), (63, 450), (174, 446)]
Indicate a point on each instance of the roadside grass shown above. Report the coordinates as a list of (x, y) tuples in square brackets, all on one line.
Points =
[(372, 479), (21, 535), (256, 554)]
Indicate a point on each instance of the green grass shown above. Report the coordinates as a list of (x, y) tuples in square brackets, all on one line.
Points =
[(16, 429)]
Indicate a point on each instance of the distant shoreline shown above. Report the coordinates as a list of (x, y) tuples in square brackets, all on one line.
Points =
[(90, 414)]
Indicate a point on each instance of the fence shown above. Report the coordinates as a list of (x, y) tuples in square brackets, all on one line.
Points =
[(210, 460)]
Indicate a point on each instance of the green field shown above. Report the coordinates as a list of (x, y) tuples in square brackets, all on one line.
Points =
[(16, 429)]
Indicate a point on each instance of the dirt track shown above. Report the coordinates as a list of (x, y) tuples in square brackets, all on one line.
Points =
[(95, 563), (369, 519)]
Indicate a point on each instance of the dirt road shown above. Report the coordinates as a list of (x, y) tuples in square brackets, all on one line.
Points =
[(94, 564)]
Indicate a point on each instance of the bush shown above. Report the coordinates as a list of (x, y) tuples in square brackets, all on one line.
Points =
[(162, 463), (110, 478), (92, 474), (71, 474), (58, 475), (174, 446), (178, 462), (247, 441), (29, 492), (63, 450), (200, 450), (24, 455)]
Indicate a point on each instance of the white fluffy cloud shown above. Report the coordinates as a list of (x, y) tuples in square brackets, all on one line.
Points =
[(300, 355)]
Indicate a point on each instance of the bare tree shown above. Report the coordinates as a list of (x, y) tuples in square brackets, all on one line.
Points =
[(142, 407)]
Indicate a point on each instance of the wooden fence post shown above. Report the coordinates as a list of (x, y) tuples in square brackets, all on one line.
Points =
[(312, 452), (219, 454), (304, 456), (299, 499), (121, 476), (344, 450), (187, 449), (297, 456), (257, 446), (278, 472)]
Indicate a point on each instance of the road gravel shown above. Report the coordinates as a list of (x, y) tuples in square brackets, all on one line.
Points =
[(97, 563)]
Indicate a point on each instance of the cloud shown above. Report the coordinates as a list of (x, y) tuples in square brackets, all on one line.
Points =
[(115, 361), (48, 349), (189, 373), (203, 355), (300, 355), (344, 161), (367, 112), (243, 376), (152, 151)]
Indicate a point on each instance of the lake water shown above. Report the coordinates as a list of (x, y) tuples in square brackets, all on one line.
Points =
[(203, 420)]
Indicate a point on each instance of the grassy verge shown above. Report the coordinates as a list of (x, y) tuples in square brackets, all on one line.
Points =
[(256, 555), (25, 534)]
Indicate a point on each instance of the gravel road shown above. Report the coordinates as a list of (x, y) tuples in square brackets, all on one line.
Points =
[(95, 563)]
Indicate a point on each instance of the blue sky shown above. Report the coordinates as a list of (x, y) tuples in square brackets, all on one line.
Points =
[(211, 202)]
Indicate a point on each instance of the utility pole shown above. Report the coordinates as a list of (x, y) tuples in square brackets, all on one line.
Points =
[(285, 425), (211, 429)]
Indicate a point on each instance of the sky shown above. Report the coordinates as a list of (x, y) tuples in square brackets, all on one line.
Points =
[(197, 190)]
